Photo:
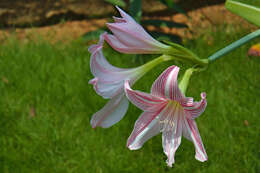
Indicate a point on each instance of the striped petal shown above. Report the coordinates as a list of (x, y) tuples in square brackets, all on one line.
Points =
[(172, 132), (191, 132), (195, 109), (147, 126), (131, 37), (111, 113), (144, 101), (121, 47), (166, 85)]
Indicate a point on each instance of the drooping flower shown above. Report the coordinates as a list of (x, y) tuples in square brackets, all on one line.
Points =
[(130, 37), (109, 83), (167, 110)]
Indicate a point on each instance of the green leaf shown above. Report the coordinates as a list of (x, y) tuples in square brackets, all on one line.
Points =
[(136, 9), (92, 35), (171, 5), (249, 12), (159, 23), (120, 3)]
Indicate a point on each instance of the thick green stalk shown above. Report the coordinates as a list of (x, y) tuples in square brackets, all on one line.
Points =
[(234, 45), (183, 54), (151, 64)]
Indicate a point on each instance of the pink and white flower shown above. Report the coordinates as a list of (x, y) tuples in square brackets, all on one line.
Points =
[(130, 37), (109, 83), (167, 110)]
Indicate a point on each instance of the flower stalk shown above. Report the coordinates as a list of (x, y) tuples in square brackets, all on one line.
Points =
[(234, 45), (183, 54)]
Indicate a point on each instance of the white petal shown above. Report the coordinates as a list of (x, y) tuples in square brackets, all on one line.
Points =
[(172, 132), (191, 132), (147, 125), (107, 89), (152, 129), (111, 113)]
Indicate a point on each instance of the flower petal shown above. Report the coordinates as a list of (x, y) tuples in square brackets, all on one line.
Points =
[(119, 20), (144, 101), (107, 89), (138, 138), (191, 132), (132, 36), (172, 132), (166, 85), (147, 126), (121, 47), (109, 80), (125, 15), (99, 66), (111, 113), (196, 108)]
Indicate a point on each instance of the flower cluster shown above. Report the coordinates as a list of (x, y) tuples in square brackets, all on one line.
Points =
[(166, 108)]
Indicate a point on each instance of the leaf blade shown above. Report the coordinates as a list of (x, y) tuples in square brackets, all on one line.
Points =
[(248, 12)]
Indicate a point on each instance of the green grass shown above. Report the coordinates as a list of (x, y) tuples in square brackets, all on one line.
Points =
[(53, 79)]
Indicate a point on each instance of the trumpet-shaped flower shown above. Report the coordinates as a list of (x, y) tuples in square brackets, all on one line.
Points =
[(167, 110), (130, 37), (109, 83)]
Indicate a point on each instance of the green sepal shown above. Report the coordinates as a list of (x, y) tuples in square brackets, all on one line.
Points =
[(183, 85)]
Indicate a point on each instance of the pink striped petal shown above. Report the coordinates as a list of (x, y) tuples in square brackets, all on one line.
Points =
[(131, 37), (144, 101), (166, 85), (138, 138), (111, 113), (172, 132), (147, 125), (121, 47), (196, 108), (191, 132)]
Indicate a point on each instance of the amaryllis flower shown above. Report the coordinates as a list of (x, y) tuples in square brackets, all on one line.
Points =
[(109, 83), (167, 110), (130, 37)]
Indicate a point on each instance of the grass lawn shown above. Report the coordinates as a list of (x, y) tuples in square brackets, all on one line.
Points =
[(46, 104)]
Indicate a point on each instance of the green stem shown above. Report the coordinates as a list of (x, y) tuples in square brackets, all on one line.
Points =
[(234, 45), (153, 63), (185, 80)]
